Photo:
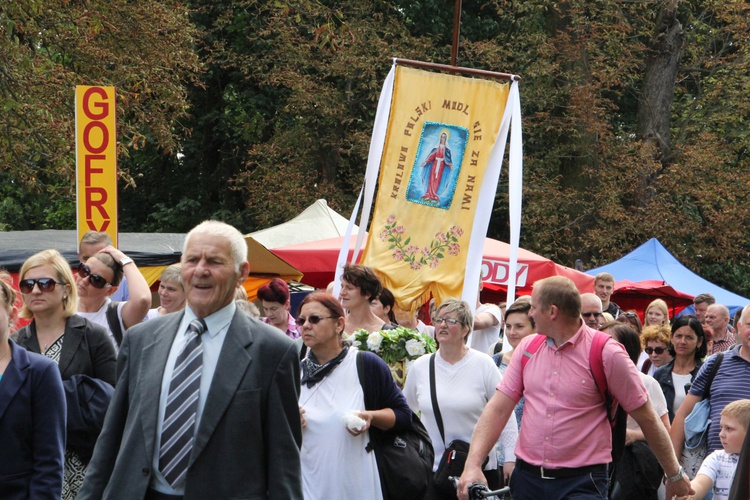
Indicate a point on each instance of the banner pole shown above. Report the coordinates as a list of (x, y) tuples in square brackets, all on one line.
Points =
[(457, 69), (456, 31)]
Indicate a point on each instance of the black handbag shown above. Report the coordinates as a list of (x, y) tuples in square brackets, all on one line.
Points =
[(454, 457), (404, 456)]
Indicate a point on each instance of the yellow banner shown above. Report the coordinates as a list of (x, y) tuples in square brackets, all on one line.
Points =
[(441, 131), (96, 161)]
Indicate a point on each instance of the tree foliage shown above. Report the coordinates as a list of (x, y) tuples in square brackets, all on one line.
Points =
[(635, 114), (144, 48)]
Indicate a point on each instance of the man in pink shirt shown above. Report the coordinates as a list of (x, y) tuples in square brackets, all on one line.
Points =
[(565, 441)]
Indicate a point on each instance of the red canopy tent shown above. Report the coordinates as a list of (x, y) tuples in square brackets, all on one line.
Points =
[(638, 295), (317, 260)]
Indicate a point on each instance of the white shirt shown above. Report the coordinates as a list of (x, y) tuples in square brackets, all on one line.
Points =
[(335, 464), (655, 395), (463, 389), (720, 467), (212, 340), (100, 318), (484, 338)]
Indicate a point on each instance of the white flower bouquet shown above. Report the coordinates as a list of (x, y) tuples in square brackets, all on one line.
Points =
[(396, 347)]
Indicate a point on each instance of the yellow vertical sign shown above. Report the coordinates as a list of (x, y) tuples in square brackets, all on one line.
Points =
[(96, 161)]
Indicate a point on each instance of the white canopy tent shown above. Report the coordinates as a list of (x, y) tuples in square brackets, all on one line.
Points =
[(316, 222)]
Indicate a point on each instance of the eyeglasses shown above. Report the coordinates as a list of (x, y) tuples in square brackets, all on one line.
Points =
[(629, 314), (657, 350), (94, 279), (45, 284), (447, 321), (588, 315), (314, 319)]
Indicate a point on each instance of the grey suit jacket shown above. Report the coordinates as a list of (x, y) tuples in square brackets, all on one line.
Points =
[(248, 440)]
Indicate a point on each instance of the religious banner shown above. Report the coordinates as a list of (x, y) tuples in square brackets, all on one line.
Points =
[(435, 183), (96, 161)]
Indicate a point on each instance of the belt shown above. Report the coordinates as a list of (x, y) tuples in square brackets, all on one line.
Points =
[(545, 473), (152, 494)]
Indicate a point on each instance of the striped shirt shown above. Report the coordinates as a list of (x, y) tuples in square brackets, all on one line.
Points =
[(732, 382)]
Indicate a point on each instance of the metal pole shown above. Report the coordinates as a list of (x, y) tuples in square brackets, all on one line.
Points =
[(456, 31)]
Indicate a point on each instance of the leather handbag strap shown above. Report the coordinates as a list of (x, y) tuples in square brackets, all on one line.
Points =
[(433, 394)]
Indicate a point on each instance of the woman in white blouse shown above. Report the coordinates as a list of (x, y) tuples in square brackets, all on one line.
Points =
[(465, 380)]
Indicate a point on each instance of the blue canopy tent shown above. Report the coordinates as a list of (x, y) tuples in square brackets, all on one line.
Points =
[(651, 261)]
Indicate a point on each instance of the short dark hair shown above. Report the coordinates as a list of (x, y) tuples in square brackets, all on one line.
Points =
[(691, 322), (387, 299), (275, 291), (111, 263), (364, 278), (625, 334), (704, 297), (520, 306), (561, 292)]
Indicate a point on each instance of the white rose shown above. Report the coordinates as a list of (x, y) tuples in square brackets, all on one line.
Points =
[(414, 347), (356, 343), (374, 340)]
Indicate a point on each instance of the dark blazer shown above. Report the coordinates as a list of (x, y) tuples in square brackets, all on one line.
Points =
[(663, 375), (247, 443), (86, 350), (32, 428)]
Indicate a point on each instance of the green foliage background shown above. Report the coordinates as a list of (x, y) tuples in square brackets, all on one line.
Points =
[(250, 110)]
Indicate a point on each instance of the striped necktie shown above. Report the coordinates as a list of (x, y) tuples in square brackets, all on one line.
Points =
[(181, 411)]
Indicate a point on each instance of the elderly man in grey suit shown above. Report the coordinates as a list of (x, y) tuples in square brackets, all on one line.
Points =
[(206, 399)]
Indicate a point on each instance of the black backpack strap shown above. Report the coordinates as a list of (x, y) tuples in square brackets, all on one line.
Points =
[(113, 320), (433, 394), (714, 370)]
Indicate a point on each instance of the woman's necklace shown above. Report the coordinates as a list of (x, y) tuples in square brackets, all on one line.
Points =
[(54, 339)]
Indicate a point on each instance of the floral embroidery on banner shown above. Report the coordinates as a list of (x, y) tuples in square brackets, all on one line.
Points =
[(416, 255)]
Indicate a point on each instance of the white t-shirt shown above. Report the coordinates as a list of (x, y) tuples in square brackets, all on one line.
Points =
[(335, 464), (655, 395), (484, 338), (463, 389), (719, 466), (679, 382), (100, 318)]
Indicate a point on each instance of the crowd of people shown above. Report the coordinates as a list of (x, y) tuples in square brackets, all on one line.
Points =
[(103, 396)]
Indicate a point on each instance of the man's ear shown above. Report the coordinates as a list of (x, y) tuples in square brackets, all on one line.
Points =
[(244, 272)]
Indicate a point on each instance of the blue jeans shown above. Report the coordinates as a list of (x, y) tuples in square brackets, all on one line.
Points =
[(526, 486)]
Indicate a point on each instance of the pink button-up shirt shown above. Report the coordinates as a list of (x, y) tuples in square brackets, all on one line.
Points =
[(564, 422), (292, 330)]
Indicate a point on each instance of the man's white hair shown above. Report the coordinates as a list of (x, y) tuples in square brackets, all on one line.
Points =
[(237, 242)]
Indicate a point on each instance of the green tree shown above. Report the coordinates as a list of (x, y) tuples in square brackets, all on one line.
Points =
[(144, 49)]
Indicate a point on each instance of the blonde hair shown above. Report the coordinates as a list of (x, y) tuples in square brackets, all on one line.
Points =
[(656, 333), (53, 258), (8, 293), (661, 306), (739, 410)]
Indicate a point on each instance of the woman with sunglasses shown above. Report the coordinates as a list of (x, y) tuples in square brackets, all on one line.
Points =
[(688, 346), (337, 413), (655, 342), (75, 344), (32, 415), (98, 279), (465, 380)]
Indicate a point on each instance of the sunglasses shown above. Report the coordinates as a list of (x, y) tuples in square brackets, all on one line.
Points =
[(94, 279), (45, 284), (588, 315), (657, 350), (447, 321), (314, 319)]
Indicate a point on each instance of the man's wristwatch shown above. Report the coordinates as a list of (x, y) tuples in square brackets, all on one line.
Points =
[(125, 261), (677, 477)]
